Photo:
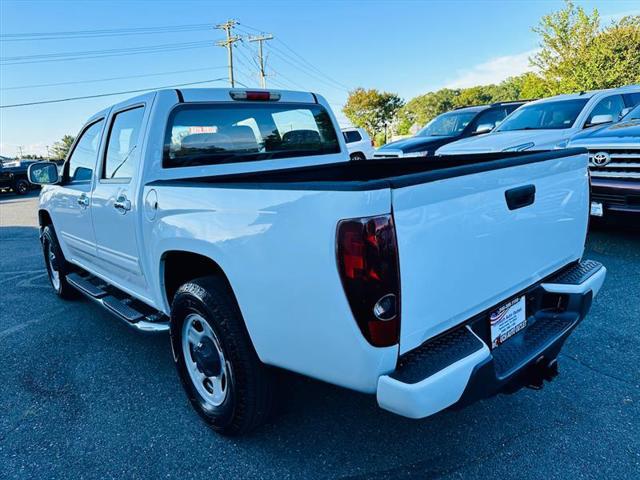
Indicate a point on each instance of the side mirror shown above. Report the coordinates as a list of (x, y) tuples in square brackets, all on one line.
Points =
[(600, 119), (43, 173), (624, 112), (483, 128)]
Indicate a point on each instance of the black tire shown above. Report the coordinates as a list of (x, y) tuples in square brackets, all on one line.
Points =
[(248, 401), (50, 241), (357, 157), (21, 187)]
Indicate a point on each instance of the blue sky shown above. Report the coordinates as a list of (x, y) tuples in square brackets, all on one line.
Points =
[(407, 47)]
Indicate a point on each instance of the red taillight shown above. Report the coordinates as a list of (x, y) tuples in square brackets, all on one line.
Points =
[(368, 266)]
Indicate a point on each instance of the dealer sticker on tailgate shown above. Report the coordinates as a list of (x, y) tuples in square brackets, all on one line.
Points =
[(507, 320)]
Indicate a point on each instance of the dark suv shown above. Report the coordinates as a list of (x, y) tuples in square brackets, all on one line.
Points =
[(13, 175), (449, 127)]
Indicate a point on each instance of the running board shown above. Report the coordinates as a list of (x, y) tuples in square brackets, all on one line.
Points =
[(154, 322)]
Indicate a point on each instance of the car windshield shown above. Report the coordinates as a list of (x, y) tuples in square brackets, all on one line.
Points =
[(633, 114), (447, 124), (542, 116)]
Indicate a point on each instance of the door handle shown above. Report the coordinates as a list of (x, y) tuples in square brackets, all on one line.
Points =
[(122, 204), (520, 197), (83, 200)]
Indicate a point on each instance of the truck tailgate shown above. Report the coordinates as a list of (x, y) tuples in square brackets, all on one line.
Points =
[(463, 249)]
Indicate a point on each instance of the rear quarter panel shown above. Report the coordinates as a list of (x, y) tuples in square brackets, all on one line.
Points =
[(277, 248)]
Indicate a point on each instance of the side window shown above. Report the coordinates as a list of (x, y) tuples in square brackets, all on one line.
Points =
[(611, 105), (120, 162), (83, 158), (491, 117), (632, 99), (352, 136)]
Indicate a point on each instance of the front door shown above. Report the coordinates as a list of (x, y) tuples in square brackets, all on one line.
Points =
[(71, 201), (114, 201)]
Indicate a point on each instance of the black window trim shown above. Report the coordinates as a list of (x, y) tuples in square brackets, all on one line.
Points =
[(103, 161), (179, 106), (66, 180)]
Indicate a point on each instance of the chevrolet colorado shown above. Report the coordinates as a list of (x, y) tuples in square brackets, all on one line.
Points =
[(234, 220)]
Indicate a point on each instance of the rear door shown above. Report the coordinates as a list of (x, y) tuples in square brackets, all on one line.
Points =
[(115, 200), (463, 249)]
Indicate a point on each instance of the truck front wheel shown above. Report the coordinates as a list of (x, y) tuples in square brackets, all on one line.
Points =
[(217, 364), (57, 266)]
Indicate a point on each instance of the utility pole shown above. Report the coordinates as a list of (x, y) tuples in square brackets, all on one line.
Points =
[(20, 151), (228, 44), (261, 39)]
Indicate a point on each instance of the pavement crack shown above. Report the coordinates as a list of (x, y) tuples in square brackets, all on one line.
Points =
[(596, 370)]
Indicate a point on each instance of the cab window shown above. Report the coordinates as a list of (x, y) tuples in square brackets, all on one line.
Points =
[(611, 105), (210, 134), (82, 160)]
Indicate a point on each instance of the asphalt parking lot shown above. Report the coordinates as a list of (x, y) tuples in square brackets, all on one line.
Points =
[(83, 396)]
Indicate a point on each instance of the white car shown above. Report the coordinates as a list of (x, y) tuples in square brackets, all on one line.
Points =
[(359, 143), (551, 122), (235, 220)]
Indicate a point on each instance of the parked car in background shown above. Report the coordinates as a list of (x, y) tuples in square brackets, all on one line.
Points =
[(359, 143), (236, 220), (13, 175), (551, 122), (614, 162), (449, 127)]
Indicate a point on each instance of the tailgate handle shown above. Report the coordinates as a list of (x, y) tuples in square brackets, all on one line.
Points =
[(520, 197)]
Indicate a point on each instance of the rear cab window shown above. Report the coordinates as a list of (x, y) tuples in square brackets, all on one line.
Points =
[(217, 133), (352, 136)]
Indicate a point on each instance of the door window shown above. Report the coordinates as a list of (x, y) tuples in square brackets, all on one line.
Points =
[(612, 105), (120, 160), (83, 158)]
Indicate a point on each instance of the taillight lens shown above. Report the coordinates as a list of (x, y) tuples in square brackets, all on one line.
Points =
[(368, 266)]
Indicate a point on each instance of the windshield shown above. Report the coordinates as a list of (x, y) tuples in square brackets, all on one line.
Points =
[(542, 116), (633, 114), (447, 124)]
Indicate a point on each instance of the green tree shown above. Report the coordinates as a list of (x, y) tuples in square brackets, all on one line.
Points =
[(61, 148), (576, 54), (372, 110)]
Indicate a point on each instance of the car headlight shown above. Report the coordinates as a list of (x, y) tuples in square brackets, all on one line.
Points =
[(423, 153), (12, 164), (561, 145), (519, 148)]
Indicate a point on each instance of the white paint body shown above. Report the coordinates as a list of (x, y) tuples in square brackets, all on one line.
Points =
[(277, 249)]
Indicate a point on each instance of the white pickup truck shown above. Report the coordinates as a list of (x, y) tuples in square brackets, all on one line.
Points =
[(234, 220)]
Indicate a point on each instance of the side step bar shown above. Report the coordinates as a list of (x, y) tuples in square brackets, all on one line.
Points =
[(149, 323)]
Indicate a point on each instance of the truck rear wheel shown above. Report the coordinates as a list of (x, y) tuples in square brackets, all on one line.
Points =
[(57, 266), (217, 364)]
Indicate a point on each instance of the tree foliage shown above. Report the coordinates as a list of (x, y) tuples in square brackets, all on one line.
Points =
[(371, 109), (577, 54), (60, 149)]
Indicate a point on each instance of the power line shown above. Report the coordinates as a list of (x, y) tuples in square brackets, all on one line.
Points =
[(77, 82), (300, 62), (50, 57), (69, 99), (26, 36)]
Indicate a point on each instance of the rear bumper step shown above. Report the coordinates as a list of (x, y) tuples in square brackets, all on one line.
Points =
[(153, 322), (458, 368)]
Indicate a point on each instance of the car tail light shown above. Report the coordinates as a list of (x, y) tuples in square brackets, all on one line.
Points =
[(257, 95), (368, 264)]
